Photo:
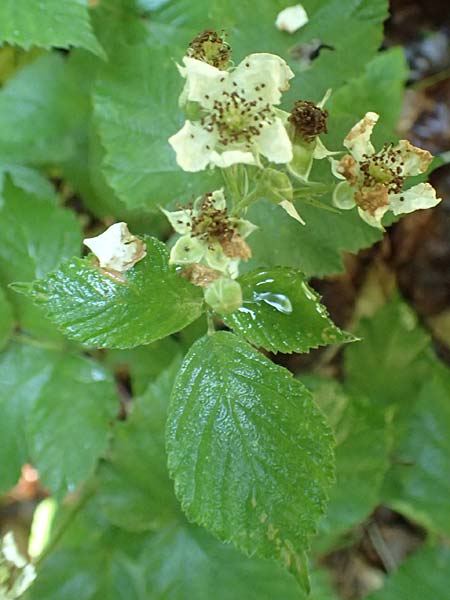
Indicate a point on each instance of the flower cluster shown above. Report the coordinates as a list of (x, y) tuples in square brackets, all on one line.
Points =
[(373, 181), (211, 245)]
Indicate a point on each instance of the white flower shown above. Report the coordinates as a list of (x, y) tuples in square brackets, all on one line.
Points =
[(291, 18), (16, 574), (374, 180), (116, 248), (238, 121), (209, 236)]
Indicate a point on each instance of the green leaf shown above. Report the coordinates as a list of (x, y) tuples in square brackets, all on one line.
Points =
[(150, 302), (42, 109), (420, 476), (390, 363), (314, 248), (26, 179), (24, 370), (56, 411), (352, 28), (6, 319), (281, 313), (424, 575), (35, 237), (135, 490), (185, 563), (250, 453), (361, 457), (136, 109), (181, 562), (47, 23), (380, 88)]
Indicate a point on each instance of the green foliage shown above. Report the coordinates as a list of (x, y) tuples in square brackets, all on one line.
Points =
[(282, 313), (35, 236), (7, 319), (361, 457), (128, 494), (101, 309), (51, 403), (47, 23), (425, 575), (421, 459), (244, 438), (136, 111)]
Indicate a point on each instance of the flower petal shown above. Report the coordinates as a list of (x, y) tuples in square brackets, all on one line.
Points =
[(179, 219), (358, 139), (274, 143), (344, 196), (245, 228), (187, 250), (414, 160), (193, 146), (291, 18), (216, 258), (203, 81), (116, 248), (373, 219), (232, 157), (263, 77), (321, 151), (422, 195)]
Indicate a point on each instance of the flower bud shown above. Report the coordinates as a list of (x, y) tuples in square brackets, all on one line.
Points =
[(224, 296)]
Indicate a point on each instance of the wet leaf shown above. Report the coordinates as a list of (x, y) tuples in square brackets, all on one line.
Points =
[(250, 453), (281, 313), (98, 308)]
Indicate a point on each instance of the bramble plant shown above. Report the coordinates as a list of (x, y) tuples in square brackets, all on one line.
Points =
[(261, 163)]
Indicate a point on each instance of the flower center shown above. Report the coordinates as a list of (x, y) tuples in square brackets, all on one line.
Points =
[(308, 120), (236, 119), (211, 48), (385, 167), (212, 224)]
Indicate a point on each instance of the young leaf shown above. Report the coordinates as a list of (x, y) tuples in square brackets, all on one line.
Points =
[(149, 302), (135, 490), (47, 23), (281, 313), (250, 452)]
